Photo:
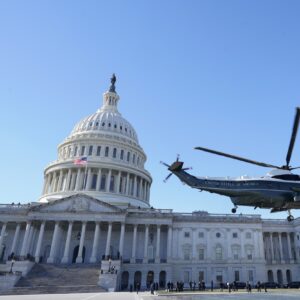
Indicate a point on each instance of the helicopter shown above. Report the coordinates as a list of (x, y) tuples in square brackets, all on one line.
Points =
[(278, 190)]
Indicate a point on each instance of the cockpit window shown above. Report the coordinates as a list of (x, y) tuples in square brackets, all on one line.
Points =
[(293, 177)]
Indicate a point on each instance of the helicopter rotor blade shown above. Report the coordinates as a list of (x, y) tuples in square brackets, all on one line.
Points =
[(238, 158), (293, 137), (165, 180), (163, 163)]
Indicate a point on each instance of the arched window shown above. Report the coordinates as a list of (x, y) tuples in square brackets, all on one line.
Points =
[(128, 156), (98, 150), (82, 150), (75, 151), (133, 159), (115, 153), (122, 155), (106, 151), (91, 150)]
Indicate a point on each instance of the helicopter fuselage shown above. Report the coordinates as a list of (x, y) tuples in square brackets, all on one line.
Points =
[(265, 192)]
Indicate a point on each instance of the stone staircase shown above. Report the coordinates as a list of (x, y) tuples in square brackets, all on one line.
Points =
[(56, 279)]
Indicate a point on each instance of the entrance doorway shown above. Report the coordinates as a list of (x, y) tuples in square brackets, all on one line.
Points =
[(150, 278)]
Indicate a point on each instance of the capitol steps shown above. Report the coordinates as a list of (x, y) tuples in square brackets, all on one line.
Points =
[(46, 278)]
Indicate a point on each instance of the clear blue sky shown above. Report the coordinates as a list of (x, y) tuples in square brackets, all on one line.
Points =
[(218, 74)]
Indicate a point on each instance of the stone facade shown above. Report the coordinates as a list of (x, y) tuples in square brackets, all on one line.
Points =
[(100, 212)]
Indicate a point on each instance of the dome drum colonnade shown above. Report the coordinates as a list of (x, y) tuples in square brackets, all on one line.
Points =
[(115, 160)]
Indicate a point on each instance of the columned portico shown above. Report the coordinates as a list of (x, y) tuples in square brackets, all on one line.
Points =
[(25, 240), (53, 250), (39, 243)]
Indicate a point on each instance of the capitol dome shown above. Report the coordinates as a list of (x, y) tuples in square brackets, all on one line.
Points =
[(109, 160)]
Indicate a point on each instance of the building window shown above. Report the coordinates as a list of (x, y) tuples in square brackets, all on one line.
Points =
[(248, 235), (201, 254), (75, 151), (186, 234), (115, 153), (235, 235), (69, 151), (218, 234), (186, 254), (94, 182), (82, 150), (106, 151), (201, 235), (98, 150), (128, 156), (90, 150), (249, 254), (235, 252), (219, 254), (122, 155), (133, 159)]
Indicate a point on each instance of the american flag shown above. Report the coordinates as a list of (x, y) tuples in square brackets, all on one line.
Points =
[(80, 161)]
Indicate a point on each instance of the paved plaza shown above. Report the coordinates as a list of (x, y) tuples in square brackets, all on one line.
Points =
[(242, 295)]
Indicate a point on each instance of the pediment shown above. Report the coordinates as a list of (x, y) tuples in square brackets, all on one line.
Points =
[(77, 203)]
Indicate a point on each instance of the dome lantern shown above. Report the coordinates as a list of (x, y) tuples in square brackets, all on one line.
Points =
[(111, 98)]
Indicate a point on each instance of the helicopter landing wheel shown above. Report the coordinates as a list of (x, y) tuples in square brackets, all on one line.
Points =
[(233, 210), (290, 218)]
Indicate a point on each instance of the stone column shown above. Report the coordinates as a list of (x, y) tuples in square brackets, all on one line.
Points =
[(88, 180), (108, 181), (39, 243), (208, 252), (127, 184), (65, 259), (98, 180), (67, 186), (169, 253), (30, 238), (194, 243), (108, 239), (3, 229), (53, 249), (145, 260), (49, 179), (134, 244), (242, 244), (134, 185), (121, 244), (118, 182), (280, 247), (148, 192), (272, 246), (289, 245), (157, 256), (59, 187), (79, 258), (16, 238), (77, 184), (73, 178), (25, 240), (93, 258)]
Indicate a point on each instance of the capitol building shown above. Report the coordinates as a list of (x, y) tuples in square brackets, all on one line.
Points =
[(95, 210)]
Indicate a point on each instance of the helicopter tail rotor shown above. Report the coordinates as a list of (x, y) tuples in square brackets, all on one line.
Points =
[(174, 167)]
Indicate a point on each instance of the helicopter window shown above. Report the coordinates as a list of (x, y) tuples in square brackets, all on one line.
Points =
[(218, 234), (287, 177)]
